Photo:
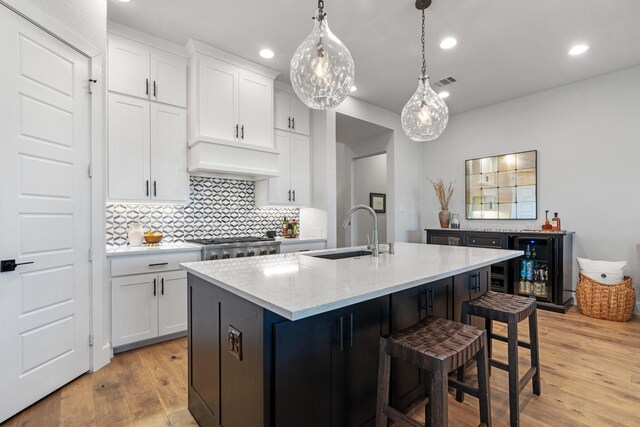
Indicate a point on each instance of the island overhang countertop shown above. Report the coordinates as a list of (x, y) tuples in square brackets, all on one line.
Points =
[(299, 285)]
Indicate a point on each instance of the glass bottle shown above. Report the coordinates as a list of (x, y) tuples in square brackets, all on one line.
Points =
[(555, 222), (547, 224)]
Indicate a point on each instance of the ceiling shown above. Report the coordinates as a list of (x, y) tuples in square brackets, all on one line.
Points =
[(506, 48)]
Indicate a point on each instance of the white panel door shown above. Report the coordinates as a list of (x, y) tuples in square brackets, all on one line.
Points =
[(169, 176), (134, 308), (300, 116), (169, 78), (280, 187), (44, 213), (129, 149), (129, 68), (300, 170), (217, 97), (172, 303), (282, 110), (256, 109)]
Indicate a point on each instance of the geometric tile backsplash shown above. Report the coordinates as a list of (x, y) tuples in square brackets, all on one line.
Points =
[(217, 208)]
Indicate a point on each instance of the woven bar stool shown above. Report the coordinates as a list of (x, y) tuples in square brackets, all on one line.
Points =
[(438, 346), (509, 309)]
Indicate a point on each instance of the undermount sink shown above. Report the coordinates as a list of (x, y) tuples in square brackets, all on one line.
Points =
[(342, 255)]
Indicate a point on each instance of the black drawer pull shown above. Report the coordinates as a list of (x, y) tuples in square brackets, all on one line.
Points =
[(158, 264), (154, 287)]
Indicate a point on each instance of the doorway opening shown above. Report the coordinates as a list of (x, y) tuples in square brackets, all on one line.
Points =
[(361, 168)]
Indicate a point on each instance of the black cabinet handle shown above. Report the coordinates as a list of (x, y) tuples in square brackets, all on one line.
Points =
[(147, 188), (155, 92), (154, 287), (294, 195), (293, 123), (236, 131), (146, 87), (289, 195), (242, 131), (162, 286), (155, 189), (351, 331), (341, 333), (289, 125), (7, 265), (157, 264)]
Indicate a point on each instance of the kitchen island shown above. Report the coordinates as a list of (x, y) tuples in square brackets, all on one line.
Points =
[(292, 339)]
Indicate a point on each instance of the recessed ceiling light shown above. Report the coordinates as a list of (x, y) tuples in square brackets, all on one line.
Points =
[(267, 53), (578, 49), (124, 1), (354, 88), (444, 94), (448, 43)]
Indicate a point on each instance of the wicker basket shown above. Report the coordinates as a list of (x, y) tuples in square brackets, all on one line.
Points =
[(609, 302)]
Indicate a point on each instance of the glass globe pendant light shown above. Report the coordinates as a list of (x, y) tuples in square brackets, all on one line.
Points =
[(425, 115), (322, 70)]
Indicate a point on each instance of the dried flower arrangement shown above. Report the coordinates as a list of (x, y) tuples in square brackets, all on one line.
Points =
[(444, 193)]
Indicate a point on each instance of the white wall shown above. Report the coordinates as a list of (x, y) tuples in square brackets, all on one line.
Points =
[(588, 139), (369, 176)]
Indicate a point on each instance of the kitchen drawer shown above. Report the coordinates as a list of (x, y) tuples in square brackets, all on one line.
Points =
[(302, 247), (485, 241), (151, 263)]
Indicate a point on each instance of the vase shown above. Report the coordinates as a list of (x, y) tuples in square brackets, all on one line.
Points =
[(445, 218)]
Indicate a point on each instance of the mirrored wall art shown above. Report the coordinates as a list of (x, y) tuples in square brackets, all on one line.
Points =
[(502, 187)]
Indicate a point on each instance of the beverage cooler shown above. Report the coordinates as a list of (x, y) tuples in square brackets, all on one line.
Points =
[(536, 273)]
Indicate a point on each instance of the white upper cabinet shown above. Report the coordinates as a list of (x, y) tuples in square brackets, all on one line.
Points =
[(290, 113), (217, 114), (129, 68), (169, 77), (142, 71), (169, 176), (230, 115), (293, 186), (129, 146), (147, 151)]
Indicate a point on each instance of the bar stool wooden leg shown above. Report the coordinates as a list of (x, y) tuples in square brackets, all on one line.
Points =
[(484, 394), (535, 354), (462, 370), (427, 408), (438, 405), (488, 325), (514, 379), (384, 372)]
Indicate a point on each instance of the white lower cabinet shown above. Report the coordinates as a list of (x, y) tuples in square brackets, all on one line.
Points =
[(148, 296), (148, 306)]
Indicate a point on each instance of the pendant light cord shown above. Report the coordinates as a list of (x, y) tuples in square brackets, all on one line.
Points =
[(321, 14), (424, 61)]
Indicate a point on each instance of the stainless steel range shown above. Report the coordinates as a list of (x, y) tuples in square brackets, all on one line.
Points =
[(236, 247)]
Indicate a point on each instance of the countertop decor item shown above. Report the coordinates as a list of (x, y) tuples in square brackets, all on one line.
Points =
[(605, 301), (135, 235), (502, 187), (425, 115), (322, 69), (444, 194), (152, 238)]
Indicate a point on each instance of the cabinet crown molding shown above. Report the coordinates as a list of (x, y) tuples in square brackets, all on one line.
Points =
[(195, 46)]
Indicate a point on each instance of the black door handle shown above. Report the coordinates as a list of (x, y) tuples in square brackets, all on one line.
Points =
[(7, 265), (289, 195), (351, 331), (293, 123), (289, 125), (155, 91), (155, 189), (294, 195), (146, 87), (236, 131), (341, 333), (162, 286), (154, 287), (242, 131), (147, 187)]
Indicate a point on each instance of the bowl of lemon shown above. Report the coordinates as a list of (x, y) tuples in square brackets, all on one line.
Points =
[(152, 238)]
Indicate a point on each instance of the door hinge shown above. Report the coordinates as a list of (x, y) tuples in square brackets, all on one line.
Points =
[(91, 81), (90, 170), (90, 255), (91, 340)]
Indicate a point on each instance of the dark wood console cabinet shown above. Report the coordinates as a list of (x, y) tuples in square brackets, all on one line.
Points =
[(550, 253)]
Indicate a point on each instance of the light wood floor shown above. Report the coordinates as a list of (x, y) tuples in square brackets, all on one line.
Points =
[(590, 377)]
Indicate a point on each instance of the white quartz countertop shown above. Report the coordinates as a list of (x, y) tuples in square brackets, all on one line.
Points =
[(149, 249), (296, 286), (288, 241)]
